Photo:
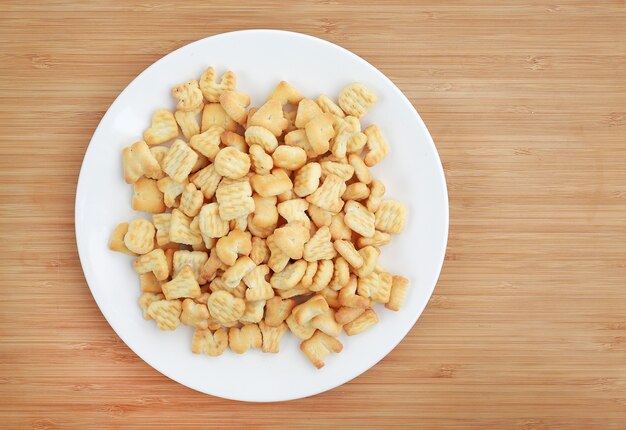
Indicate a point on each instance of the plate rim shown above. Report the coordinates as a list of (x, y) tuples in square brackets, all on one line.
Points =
[(80, 244)]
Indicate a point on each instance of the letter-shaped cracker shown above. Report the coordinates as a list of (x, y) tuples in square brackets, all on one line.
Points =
[(291, 239), (338, 228), (138, 161), (258, 287), (361, 171), (179, 161), (191, 200), (377, 148), (232, 163), (307, 179), (235, 140), (285, 93), (399, 287), (307, 111), (309, 274), (319, 346), (289, 157), (181, 230), (248, 336), (194, 259), (326, 322), (208, 143), (278, 259), (214, 114), (225, 307), (183, 285), (262, 163), (329, 106), (207, 180), (270, 116), (294, 211), (345, 315), (379, 239), (322, 276), (356, 99), (145, 300), (359, 219), (257, 135), (348, 298), (319, 131), (253, 313), (391, 217), (189, 122), (155, 262), (272, 336), (116, 243), (356, 191), (328, 195), (212, 89), (163, 128), (342, 170), (273, 184), (376, 286), (195, 315), (302, 332), (236, 243), (289, 277), (277, 310), (298, 138), (212, 344), (189, 96), (235, 273), (210, 223), (319, 247), (259, 253), (140, 236), (234, 197), (265, 211), (308, 310), (147, 197), (166, 313), (234, 104), (361, 323)]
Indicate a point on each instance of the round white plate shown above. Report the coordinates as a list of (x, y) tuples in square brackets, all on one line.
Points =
[(412, 173)]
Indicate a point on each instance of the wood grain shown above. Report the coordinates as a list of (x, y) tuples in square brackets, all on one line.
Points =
[(527, 104)]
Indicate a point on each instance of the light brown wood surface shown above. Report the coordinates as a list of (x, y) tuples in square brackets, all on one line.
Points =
[(526, 102)]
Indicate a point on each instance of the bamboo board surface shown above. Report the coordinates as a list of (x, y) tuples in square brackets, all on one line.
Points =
[(526, 102)]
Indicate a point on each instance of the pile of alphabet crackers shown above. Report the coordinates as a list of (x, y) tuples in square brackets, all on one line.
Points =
[(264, 220)]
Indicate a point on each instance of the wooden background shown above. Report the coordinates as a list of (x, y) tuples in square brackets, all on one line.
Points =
[(526, 102)]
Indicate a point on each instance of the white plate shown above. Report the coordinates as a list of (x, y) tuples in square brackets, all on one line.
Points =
[(412, 173)]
